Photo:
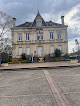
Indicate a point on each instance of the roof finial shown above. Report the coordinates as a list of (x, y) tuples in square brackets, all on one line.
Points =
[(37, 7)]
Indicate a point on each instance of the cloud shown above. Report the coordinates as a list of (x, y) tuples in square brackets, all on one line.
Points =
[(22, 8), (72, 19), (72, 45), (26, 10)]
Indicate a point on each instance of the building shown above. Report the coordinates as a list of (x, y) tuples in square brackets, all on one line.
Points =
[(39, 38)]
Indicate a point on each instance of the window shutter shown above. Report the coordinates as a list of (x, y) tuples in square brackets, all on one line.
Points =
[(52, 49), (20, 51), (60, 48), (28, 50)]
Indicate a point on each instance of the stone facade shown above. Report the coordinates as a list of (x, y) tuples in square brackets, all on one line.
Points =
[(39, 38)]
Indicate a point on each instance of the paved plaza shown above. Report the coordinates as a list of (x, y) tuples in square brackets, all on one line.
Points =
[(45, 87)]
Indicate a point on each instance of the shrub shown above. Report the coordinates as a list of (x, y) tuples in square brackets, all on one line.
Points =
[(57, 53), (4, 57), (66, 56), (23, 56), (23, 61), (10, 59)]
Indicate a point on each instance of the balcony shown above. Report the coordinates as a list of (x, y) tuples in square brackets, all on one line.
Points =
[(39, 41)]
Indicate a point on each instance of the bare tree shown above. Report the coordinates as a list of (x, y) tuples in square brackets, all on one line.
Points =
[(7, 48), (6, 22)]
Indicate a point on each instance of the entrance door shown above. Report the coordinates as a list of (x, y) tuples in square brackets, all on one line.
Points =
[(40, 51)]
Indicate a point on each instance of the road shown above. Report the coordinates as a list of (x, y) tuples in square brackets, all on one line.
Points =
[(52, 87)]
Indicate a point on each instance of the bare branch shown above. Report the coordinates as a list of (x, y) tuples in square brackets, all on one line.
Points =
[(6, 22)]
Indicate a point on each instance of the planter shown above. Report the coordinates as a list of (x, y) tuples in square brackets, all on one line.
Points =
[(74, 61), (4, 64)]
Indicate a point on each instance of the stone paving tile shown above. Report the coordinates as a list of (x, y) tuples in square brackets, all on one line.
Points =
[(68, 80), (39, 86), (74, 99), (25, 88), (19, 76), (31, 88), (28, 101)]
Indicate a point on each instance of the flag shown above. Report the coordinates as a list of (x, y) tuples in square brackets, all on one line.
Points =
[(39, 35)]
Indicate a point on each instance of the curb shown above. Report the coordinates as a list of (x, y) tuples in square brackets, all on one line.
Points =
[(40, 68)]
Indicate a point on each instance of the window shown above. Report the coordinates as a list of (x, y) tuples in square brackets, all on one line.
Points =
[(39, 23), (20, 37), (20, 51), (60, 48), (39, 36), (52, 49), (59, 35), (51, 35), (40, 51), (28, 50), (27, 36)]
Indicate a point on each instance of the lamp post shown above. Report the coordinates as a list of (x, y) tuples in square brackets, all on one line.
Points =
[(32, 56), (73, 53), (77, 43), (0, 59), (0, 49)]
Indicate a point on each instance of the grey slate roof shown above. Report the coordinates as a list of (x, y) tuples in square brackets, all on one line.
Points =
[(38, 16), (26, 24), (44, 24)]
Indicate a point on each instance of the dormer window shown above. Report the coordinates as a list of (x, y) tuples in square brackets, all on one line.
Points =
[(38, 23)]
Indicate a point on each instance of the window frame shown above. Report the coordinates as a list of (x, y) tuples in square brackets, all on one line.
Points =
[(59, 35), (59, 48), (51, 35), (38, 23), (18, 51), (41, 36), (19, 36), (50, 49), (29, 51), (27, 37)]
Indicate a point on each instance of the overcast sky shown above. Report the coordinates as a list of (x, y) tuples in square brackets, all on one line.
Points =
[(26, 10)]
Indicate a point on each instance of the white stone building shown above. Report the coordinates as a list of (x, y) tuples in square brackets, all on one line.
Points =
[(39, 38)]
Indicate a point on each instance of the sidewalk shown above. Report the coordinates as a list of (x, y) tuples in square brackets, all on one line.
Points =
[(40, 65)]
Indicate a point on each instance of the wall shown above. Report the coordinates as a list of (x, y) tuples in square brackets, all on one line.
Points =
[(33, 43)]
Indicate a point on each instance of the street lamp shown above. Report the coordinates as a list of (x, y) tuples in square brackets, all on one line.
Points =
[(73, 53), (32, 56), (0, 49), (77, 43)]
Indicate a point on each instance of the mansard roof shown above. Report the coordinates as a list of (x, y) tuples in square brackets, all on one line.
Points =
[(44, 23), (38, 16), (26, 24)]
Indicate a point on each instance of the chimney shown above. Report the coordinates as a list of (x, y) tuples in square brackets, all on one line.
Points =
[(62, 20), (14, 21)]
